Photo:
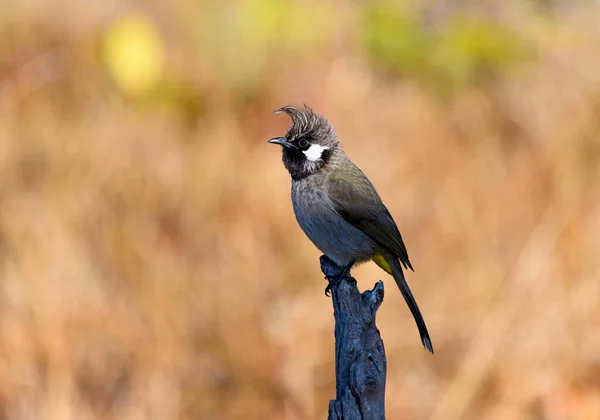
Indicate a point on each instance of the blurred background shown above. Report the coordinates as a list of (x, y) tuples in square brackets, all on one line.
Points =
[(150, 263)]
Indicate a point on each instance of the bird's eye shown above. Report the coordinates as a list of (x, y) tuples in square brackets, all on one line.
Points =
[(302, 143)]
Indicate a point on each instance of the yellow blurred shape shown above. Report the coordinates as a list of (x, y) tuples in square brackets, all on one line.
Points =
[(134, 55)]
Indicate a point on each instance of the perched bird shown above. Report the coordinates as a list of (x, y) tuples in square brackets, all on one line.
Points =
[(338, 208)]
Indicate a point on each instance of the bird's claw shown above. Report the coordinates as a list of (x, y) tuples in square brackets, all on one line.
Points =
[(337, 279), (333, 281)]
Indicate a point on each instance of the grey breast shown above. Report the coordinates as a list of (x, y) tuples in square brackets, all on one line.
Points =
[(330, 233)]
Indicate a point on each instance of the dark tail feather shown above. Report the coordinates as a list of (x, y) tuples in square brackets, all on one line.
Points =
[(410, 301)]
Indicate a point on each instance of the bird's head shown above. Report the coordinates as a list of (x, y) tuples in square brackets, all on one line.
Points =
[(308, 144)]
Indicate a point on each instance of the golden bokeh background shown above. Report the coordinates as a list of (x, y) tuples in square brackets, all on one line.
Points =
[(150, 263)]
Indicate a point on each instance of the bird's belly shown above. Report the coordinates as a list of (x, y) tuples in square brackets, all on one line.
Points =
[(332, 235)]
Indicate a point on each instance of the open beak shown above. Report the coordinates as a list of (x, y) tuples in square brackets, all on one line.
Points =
[(281, 141)]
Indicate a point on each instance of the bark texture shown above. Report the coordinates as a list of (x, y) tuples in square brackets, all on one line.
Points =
[(360, 364)]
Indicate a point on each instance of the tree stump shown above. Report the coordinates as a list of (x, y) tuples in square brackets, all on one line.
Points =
[(360, 363)]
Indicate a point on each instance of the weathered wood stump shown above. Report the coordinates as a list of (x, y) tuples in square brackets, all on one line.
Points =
[(360, 364)]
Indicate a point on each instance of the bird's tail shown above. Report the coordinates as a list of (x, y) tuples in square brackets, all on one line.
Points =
[(392, 267)]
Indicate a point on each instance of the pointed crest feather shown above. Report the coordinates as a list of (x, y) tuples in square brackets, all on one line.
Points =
[(306, 121)]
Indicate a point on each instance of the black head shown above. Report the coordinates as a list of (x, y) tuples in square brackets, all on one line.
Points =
[(308, 144)]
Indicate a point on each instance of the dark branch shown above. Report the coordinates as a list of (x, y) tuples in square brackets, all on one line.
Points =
[(360, 364)]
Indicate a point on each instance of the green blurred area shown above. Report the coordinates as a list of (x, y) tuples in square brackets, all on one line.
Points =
[(458, 52), (150, 263)]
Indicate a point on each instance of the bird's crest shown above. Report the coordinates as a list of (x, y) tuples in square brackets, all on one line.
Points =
[(305, 121)]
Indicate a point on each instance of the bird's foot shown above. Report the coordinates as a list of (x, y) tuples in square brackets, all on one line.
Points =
[(337, 279)]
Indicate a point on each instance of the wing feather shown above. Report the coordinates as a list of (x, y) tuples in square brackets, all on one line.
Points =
[(357, 201)]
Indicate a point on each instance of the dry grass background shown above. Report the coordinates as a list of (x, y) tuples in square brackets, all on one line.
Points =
[(150, 263)]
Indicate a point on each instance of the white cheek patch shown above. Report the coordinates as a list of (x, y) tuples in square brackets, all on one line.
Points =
[(314, 152)]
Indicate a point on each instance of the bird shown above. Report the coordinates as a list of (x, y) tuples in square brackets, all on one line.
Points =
[(337, 206)]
